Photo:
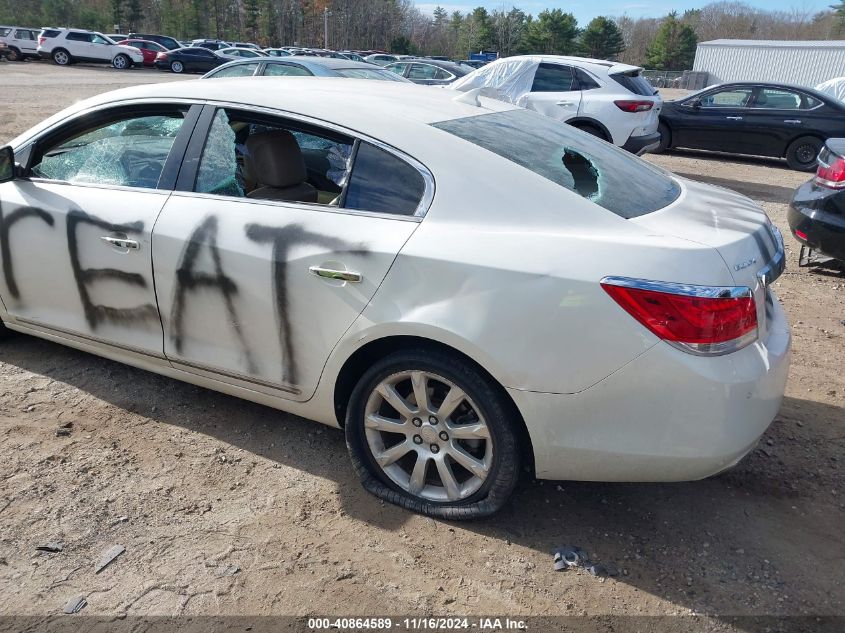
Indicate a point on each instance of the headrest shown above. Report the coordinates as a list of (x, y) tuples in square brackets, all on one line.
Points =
[(274, 159)]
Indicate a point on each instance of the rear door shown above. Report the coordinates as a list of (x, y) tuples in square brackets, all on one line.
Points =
[(270, 248), (75, 235), (716, 121), (26, 41), (555, 92), (777, 117)]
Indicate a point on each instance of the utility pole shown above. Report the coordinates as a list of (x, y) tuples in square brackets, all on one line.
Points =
[(326, 14)]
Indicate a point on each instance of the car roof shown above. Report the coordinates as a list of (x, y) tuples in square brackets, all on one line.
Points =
[(310, 62), (450, 66), (773, 84), (391, 111), (600, 65)]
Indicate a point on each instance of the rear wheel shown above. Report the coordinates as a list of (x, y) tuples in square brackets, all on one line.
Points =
[(803, 152), (61, 57), (665, 139), (591, 129), (121, 62), (428, 432), (177, 67)]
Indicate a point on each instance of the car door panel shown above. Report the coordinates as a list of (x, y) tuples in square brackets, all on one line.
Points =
[(59, 272), (717, 124), (236, 290), (555, 92)]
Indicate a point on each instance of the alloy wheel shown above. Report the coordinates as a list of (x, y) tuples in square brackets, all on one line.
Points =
[(428, 437), (61, 58), (177, 67), (119, 62)]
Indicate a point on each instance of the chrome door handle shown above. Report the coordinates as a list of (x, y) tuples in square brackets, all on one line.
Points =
[(342, 275), (565, 103), (793, 121), (734, 118), (118, 242)]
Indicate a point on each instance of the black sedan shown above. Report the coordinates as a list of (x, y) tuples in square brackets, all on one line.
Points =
[(768, 119), (429, 72), (817, 212), (191, 59)]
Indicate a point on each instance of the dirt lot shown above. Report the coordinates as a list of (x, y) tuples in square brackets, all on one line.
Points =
[(226, 507)]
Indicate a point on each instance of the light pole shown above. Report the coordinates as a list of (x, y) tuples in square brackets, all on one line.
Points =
[(326, 14)]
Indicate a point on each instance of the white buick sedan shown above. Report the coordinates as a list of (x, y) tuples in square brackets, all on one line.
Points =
[(471, 289)]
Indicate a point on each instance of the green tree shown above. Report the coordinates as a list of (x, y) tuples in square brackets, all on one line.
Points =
[(134, 15), (602, 39), (673, 48), (251, 13), (402, 46), (552, 33)]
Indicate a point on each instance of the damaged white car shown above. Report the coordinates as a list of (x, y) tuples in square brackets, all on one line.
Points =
[(609, 100), (471, 289)]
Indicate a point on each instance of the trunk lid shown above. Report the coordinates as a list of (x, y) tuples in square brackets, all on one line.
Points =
[(735, 226)]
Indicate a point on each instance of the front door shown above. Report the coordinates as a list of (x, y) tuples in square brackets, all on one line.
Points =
[(75, 237), (716, 121), (276, 249)]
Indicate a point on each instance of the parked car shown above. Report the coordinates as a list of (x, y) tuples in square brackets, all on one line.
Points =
[(429, 72), (21, 43), (817, 212), (355, 57), (3, 49), (277, 52), (170, 43), (68, 46), (760, 119), (148, 48), (212, 45), (303, 67), (116, 37), (472, 63), (189, 60), (303, 261), (228, 54), (381, 59), (609, 100), (254, 47)]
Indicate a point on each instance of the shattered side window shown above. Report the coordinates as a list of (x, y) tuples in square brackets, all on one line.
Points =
[(610, 177), (218, 171), (130, 152)]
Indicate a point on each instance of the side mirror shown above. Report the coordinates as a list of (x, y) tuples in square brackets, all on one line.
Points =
[(7, 164), (694, 103)]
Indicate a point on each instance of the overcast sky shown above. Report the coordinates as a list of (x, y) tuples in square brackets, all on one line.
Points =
[(586, 11)]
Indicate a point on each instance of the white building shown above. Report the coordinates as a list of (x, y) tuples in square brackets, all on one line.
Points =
[(805, 63)]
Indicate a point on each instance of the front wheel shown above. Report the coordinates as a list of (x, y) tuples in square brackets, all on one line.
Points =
[(177, 67), (803, 152), (121, 62), (14, 55), (428, 432), (665, 139), (61, 57)]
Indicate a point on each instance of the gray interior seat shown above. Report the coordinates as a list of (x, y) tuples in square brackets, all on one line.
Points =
[(275, 161)]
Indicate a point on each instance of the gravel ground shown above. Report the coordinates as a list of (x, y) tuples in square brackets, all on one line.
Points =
[(226, 507)]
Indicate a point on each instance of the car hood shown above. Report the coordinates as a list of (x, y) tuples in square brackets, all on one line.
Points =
[(130, 50)]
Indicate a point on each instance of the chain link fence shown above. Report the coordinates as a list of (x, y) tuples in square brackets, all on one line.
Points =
[(685, 79)]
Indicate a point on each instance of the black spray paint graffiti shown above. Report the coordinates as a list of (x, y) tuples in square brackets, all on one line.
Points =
[(95, 313), (283, 240), (6, 223), (187, 279)]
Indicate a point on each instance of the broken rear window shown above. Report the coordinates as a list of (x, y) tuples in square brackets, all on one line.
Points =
[(610, 177)]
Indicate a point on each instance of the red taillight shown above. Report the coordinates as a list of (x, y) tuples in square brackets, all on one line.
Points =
[(831, 171), (697, 319), (41, 41), (800, 235), (161, 56), (634, 106)]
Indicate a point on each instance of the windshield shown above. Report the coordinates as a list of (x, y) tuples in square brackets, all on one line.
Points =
[(368, 73), (598, 171)]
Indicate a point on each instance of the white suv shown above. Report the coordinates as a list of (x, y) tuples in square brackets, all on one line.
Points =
[(607, 99), (20, 42), (66, 46)]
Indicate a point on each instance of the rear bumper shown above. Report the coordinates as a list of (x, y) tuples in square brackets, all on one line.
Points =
[(666, 416), (641, 144), (819, 213)]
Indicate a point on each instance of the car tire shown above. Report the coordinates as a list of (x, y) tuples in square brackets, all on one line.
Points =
[(121, 62), (483, 417), (591, 129), (61, 57), (14, 55), (665, 139), (177, 67), (803, 152)]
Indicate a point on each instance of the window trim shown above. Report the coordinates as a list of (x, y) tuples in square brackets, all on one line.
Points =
[(187, 177)]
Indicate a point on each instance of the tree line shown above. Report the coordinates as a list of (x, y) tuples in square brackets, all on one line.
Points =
[(665, 43)]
